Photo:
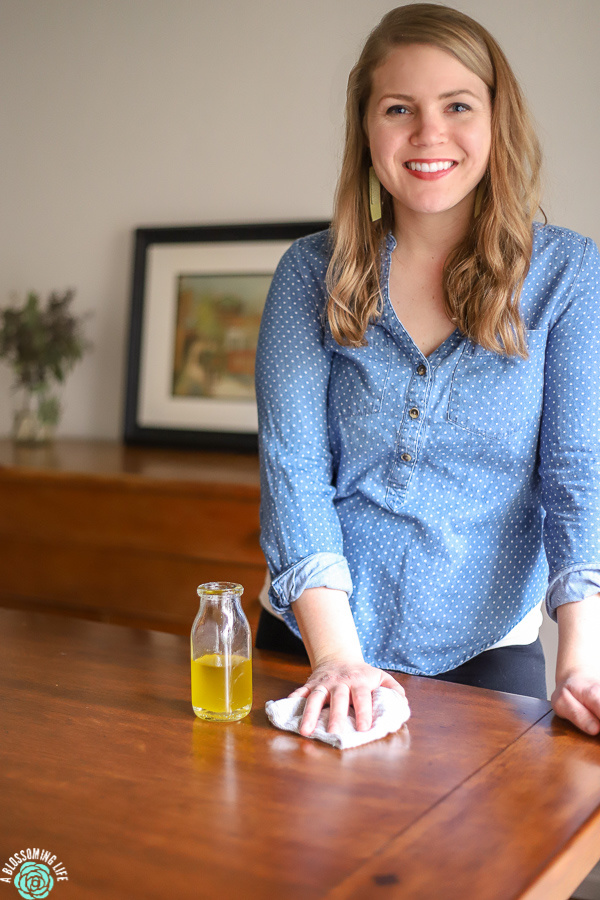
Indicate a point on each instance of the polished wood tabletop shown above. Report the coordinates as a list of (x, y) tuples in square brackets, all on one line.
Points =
[(481, 796)]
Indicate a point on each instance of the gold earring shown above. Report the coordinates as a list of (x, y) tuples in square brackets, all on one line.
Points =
[(478, 199), (374, 195)]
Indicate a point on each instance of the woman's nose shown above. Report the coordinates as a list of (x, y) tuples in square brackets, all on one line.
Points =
[(428, 129)]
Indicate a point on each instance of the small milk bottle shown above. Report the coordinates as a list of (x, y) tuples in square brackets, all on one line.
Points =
[(221, 654)]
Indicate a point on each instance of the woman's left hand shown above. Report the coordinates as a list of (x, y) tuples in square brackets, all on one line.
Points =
[(577, 698), (577, 694)]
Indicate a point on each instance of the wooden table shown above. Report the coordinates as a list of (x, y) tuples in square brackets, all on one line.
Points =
[(103, 763)]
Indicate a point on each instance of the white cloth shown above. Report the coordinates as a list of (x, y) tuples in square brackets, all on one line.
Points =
[(390, 712)]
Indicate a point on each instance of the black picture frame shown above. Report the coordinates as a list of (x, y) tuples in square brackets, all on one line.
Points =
[(153, 415)]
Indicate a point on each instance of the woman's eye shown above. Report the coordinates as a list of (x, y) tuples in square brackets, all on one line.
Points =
[(460, 107), (397, 110)]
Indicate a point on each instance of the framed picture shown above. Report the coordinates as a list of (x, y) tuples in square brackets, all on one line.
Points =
[(197, 299)]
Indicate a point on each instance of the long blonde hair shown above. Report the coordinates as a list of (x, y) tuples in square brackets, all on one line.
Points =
[(484, 274)]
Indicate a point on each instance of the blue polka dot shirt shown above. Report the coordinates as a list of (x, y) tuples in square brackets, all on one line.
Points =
[(447, 494)]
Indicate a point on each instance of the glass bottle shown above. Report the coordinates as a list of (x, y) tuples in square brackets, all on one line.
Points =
[(221, 654)]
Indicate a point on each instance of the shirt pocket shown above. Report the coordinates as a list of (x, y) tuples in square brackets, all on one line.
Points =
[(496, 396), (358, 375)]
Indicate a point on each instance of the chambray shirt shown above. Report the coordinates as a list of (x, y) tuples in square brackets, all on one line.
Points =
[(447, 494)]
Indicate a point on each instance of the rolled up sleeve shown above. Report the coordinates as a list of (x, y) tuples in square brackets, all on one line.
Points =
[(328, 570), (571, 586)]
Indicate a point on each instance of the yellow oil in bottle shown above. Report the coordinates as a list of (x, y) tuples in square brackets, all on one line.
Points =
[(221, 692)]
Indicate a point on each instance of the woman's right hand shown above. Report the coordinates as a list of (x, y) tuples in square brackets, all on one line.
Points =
[(342, 684)]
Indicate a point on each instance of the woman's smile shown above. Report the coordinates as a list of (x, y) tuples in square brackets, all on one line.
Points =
[(430, 169)]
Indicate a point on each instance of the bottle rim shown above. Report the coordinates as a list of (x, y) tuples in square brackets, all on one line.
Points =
[(218, 588)]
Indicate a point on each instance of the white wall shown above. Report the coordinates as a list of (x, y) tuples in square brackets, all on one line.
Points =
[(121, 113)]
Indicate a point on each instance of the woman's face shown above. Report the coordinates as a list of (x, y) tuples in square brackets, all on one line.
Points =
[(428, 124)]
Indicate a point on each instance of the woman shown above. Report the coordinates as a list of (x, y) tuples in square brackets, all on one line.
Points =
[(428, 395)]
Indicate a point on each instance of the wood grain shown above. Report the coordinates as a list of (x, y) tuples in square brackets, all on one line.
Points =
[(500, 807), (174, 518), (103, 761), (116, 584), (126, 534), (105, 459)]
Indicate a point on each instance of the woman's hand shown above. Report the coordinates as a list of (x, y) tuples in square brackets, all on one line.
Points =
[(577, 698), (339, 676), (577, 694), (341, 685)]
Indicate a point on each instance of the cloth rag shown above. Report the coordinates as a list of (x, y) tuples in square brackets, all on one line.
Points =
[(390, 712)]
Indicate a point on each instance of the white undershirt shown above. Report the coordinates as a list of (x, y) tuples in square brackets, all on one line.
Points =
[(526, 632)]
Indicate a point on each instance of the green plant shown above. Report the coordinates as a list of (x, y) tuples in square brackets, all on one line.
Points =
[(42, 343)]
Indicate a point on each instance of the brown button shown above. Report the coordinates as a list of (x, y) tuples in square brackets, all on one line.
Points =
[(406, 457), (421, 370), (413, 412)]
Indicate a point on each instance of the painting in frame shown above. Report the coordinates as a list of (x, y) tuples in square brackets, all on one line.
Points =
[(197, 299)]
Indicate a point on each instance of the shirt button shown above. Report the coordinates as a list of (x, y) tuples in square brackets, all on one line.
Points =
[(413, 412), (421, 370), (406, 457)]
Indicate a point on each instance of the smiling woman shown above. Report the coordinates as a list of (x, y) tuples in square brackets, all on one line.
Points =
[(484, 272), (430, 468), (431, 135), (417, 108)]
